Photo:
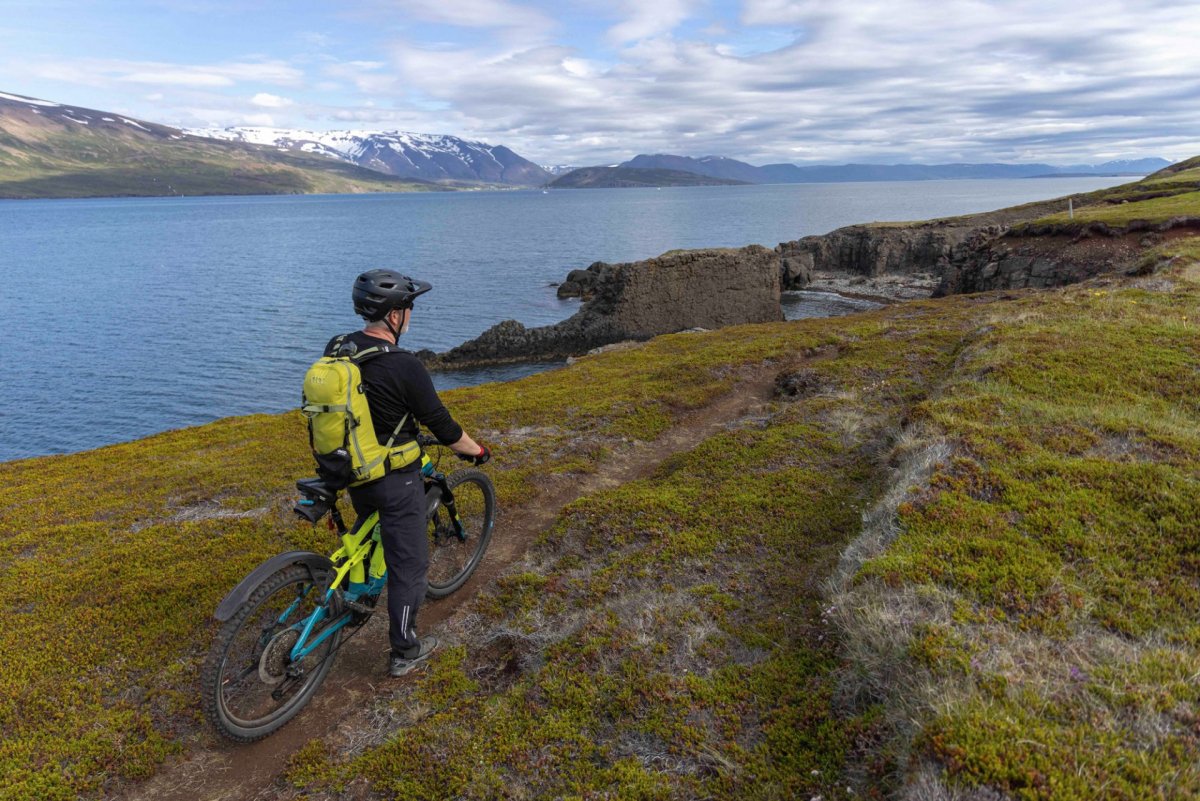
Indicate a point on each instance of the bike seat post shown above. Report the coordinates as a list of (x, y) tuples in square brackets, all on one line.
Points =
[(336, 515)]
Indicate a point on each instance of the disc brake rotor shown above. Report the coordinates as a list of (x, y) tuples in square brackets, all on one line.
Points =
[(272, 665)]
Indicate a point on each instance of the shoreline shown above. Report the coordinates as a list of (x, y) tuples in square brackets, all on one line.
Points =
[(524, 368)]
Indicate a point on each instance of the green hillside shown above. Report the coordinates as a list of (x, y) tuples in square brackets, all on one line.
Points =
[(53, 151), (1169, 194), (945, 545)]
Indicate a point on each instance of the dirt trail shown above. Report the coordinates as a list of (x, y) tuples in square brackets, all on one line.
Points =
[(216, 771)]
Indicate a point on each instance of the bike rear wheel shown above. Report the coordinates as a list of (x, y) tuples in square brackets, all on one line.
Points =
[(454, 557), (251, 687)]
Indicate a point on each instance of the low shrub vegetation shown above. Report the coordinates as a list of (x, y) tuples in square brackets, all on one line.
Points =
[(960, 557), (116, 557), (668, 638), (1059, 538)]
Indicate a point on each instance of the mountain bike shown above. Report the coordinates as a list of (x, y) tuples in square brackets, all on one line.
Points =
[(287, 619)]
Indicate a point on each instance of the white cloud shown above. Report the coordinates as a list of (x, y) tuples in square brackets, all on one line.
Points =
[(107, 72), (903, 80), (475, 13), (177, 77), (271, 101), (897, 81), (646, 19), (220, 116), (319, 41), (772, 12), (369, 77)]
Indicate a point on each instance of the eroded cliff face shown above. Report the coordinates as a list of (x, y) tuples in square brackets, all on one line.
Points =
[(637, 301), (949, 259), (932, 255), (872, 250), (1056, 255)]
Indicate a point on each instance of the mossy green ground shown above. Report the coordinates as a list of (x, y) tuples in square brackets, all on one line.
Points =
[(113, 558), (1066, 531), (667, 638)]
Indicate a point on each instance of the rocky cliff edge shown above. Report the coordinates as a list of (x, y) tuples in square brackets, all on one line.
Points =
[(636, 301), (1035, 245)]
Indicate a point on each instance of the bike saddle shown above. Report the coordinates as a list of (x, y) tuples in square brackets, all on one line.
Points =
[(317, 488)]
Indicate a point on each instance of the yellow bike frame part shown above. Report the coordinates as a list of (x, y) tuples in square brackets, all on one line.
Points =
[(356, 544)]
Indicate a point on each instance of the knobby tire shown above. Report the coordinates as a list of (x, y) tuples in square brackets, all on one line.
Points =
[(452, 561), (237, 649)]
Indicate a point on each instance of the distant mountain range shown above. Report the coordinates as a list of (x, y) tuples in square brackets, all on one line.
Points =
[(626, 177), (721, 167), (50, 150), (427, 157)]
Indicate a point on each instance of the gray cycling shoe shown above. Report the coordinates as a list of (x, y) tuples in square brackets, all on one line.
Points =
[(401, 663)]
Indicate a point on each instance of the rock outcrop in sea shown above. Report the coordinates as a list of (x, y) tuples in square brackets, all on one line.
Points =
[(636, 301)]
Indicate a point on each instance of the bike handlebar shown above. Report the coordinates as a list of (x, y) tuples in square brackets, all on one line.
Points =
[(425, 441)]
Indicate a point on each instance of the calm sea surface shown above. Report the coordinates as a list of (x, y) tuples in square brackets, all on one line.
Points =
[(126, 317)]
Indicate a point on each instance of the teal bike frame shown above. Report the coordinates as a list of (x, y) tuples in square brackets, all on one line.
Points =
[(358, 566)]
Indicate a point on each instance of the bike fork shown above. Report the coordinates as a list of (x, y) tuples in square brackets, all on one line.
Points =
[(447, 500)]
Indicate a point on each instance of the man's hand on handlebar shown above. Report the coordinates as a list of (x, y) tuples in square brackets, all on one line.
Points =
[(480, 458), (473, 452)]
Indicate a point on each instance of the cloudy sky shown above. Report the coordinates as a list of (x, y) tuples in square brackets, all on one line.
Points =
[(596, 81)]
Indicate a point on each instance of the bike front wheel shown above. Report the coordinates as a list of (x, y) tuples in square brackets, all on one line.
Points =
[(251, 686), (453, 553)]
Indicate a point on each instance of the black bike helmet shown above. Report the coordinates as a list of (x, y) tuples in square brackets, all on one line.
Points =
[(377, 292)]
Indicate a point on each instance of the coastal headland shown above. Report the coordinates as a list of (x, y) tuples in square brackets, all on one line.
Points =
[(943, 549), (1035, 245)]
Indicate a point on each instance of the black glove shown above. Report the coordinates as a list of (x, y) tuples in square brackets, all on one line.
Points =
[(480, 458)]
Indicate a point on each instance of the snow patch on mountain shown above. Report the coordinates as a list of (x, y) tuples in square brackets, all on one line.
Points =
[(433, 157), (29, 100)]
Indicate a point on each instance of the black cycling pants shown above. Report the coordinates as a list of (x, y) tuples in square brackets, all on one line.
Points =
[(400, 499)]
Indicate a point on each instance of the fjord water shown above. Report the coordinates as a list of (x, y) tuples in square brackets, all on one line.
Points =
[(125, 317)]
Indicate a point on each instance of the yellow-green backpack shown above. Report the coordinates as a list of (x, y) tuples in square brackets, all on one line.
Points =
[(340, 430)]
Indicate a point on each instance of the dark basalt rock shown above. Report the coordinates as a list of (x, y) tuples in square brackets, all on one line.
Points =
[(874, 250), (997, 250), (1048, 255), (583, 283), (636, 301)]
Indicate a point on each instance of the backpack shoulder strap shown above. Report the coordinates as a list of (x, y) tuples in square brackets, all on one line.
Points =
[(341, 346), (335, 345), (372, 352)]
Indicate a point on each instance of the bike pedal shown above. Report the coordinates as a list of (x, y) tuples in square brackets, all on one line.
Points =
[(362, 609)]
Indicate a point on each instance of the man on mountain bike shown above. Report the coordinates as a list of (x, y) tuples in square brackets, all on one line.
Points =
[(397, 384)]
